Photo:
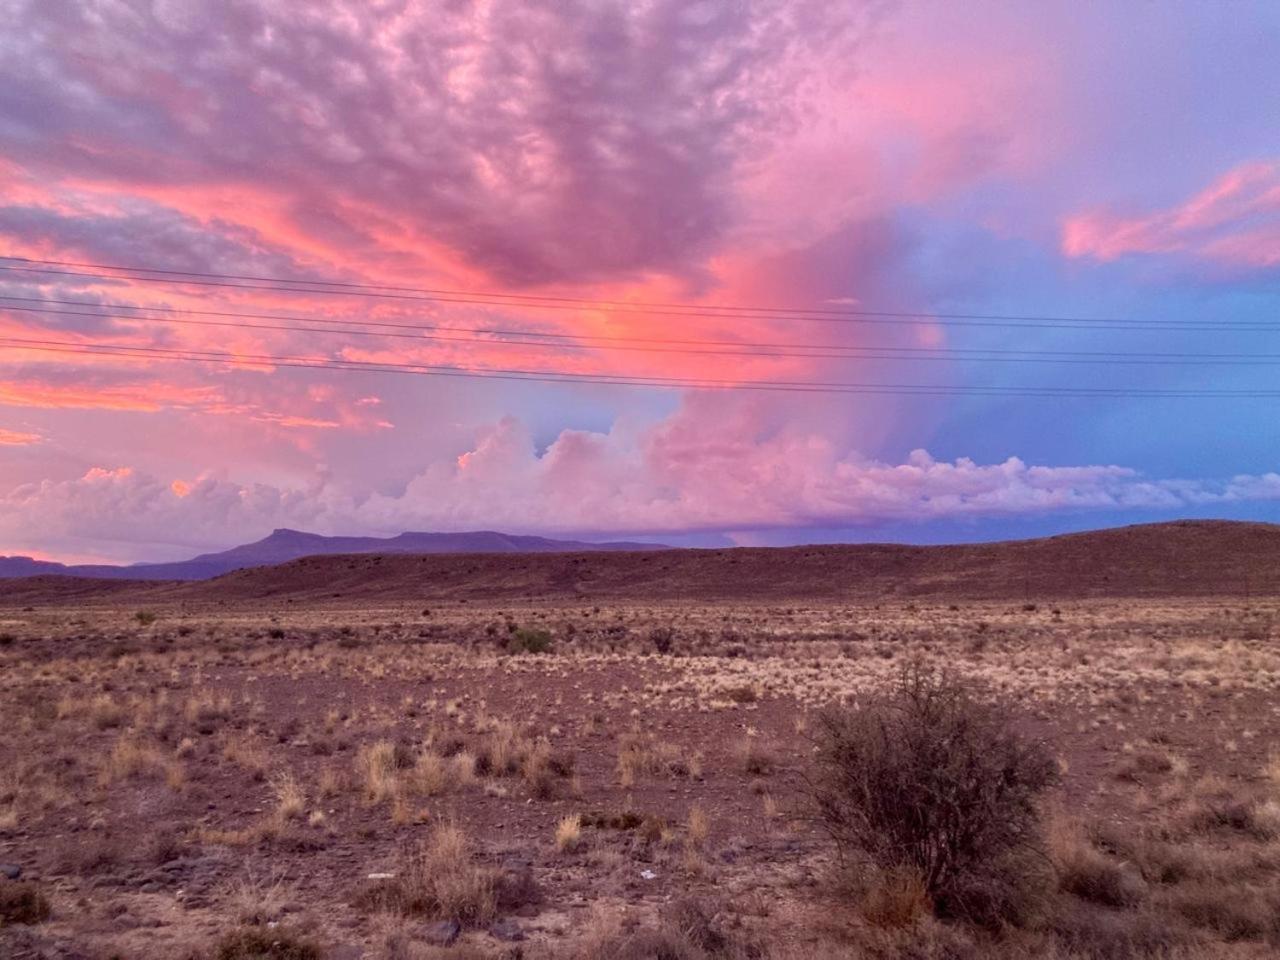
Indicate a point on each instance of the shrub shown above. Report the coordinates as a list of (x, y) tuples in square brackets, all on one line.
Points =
[(569, 833), (439, 879), (257, 943), (756, 756), (22, 903), (525, 640), (1082, 929), (1089, 874), (685, 930), (661, 638), (896, 899), (1230, 911), (932, 776), (145, 618), (376, 768)]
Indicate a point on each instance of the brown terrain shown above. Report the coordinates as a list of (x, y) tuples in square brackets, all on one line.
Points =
[(1181, 559), (592, 755)]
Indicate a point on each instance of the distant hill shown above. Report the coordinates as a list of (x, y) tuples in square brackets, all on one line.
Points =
[(1180, 559), (284, 545)]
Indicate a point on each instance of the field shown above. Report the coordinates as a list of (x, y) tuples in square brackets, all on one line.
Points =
[(583, 779)]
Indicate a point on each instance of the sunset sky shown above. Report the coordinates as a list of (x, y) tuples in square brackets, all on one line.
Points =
[(820, 193)]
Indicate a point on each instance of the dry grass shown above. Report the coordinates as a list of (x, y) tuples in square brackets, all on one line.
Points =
[(755, 755), (643, 755), (131, 757), (375, 768), (206, 711), (249, 754), (569, 833), (1088, 873), (259, 898), (259, 943), (438, 878), (336, 750), (291, 802), (699, 827)]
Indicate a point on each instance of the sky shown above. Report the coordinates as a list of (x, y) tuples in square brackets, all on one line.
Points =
[(853, 185)]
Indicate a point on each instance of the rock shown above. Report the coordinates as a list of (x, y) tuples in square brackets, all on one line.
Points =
[(10, 871), (442, 934), (507, 929)]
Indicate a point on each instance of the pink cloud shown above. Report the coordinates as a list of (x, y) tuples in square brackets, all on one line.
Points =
[(624, 152), (98, 385), (1235, 222), (706, 467), (529, 142), (18, 438)]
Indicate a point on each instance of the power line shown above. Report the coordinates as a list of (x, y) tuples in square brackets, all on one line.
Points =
[(901, 389), (654, 345), (643, 308), (311, 282), (606, 338)]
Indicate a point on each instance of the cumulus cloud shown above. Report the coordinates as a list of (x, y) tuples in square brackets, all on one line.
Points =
[(676, 476), (138, 512), (1234, 222)]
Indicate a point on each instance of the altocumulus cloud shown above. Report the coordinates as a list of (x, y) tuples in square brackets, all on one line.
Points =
[(539, 141)]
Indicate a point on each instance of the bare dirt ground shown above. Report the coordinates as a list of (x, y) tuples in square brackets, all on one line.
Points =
[(357, 777)]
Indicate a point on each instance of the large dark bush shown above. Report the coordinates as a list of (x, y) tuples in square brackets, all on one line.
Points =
[(932, 777)]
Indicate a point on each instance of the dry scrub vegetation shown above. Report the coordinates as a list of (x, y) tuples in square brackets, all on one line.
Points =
[(1095, 779)]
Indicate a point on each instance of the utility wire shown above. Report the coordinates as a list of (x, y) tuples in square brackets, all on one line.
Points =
[(722, 348), (643, 308), (146, 352)]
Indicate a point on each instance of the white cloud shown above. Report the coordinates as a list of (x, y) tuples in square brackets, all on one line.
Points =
[(689, 472)]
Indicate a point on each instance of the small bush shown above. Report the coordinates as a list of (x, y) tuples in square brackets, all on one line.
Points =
[(661, 638), (1099, 879), (756, 757), (165, 846), (569, 833), (931, 776), (625, 820), (896, 899), (695, 920), (515, 888), (1260, 820), (22, 903), (686, 930), (525, 640), (1231, 912), (1083, 930), (439, 879), (145, 618), (1093, 874), (257, 943)]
